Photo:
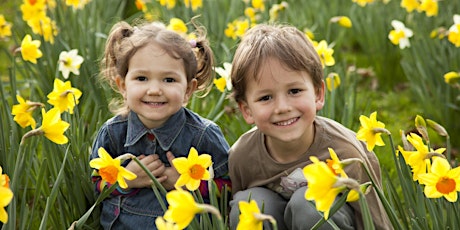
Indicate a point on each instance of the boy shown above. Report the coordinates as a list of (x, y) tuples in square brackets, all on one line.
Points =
[(277, 79)]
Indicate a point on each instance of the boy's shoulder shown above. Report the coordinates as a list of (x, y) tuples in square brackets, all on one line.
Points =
[(248, 141), (332, 127)]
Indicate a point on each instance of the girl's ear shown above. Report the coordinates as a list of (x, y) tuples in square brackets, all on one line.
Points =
[(320, 97), (246, 111), (121, 86), (191, 87)]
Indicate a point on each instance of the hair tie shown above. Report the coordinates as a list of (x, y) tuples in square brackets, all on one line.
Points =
[(192, 43)]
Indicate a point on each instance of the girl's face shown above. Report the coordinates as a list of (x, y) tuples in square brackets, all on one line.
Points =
[(155, 86), (282, 103)]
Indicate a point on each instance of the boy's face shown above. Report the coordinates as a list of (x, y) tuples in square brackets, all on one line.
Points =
[(282, 103)]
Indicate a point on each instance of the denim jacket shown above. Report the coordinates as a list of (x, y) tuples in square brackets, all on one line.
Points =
[(183, 130)]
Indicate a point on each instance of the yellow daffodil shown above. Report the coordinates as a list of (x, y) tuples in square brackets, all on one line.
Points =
[(170, 4), (177, 25), (182, 208), (30, 49), (224, 81), (220, 84), (325, 53), (76, 4), (140, 5), (363, 3), (236, 29), (410, 5), (400, 35), (53, 127), (310, 35), (192, 169), (258, 4), (430, 7), (195, 4), (33, 10), (332, 81), (5, 27), (371, 131), (276, 9), (321, 185), (353, 195), (45, 27), (23, 112), (442, 181), (452, 77), (335, 165), (454, 31), (251, 13), (110, 169), (63, 96), (162, 224), (4, 179), (419, 160), (6, 195), (70, 62), (248, 216), (343, 21)]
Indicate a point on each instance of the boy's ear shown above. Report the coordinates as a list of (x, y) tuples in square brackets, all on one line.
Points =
[(320, 97), (121, 86), (246, 111), (191, 87)]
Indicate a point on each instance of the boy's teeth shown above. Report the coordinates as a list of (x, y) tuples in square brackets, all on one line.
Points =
[(288, 122)]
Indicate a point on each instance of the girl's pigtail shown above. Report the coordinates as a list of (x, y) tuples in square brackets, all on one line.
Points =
[(205, 62), (113, 52)]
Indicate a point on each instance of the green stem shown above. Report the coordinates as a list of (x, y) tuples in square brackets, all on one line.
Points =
[(104, 194), (391, 213), (157, 187)]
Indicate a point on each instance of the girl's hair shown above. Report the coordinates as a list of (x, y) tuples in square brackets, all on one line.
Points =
[(285, 43), (125, 40)]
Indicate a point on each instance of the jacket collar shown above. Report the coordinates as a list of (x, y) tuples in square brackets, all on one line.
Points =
[(165, 135)]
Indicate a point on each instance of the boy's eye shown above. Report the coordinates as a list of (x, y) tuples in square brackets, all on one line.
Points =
[(295, 91), (141, 78), (169, 79), (265, 98)]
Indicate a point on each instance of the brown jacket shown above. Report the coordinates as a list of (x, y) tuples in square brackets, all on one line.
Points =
[(250, 164)]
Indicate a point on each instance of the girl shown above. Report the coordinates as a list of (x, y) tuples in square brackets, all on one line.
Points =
[(156, 71)]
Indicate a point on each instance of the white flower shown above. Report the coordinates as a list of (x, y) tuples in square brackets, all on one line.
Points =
[(225, 73), (400, 35), (455, 27), (70, 62)]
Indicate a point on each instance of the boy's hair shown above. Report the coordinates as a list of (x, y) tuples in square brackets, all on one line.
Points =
[(125, 40), (285, 43)]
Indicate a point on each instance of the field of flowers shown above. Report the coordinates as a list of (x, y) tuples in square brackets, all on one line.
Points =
[(397, 58)]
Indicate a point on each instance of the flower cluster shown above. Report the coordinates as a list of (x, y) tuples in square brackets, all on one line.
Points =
[(327, 180), (430, 166), (63, 97)]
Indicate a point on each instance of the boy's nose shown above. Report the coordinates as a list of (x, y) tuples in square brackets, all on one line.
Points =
[(282, 106)]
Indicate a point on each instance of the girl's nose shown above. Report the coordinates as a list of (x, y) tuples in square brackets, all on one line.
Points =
[(154, 90)]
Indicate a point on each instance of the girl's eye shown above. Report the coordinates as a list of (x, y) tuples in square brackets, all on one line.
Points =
[(169, 79), (295, 91), (141, 78), (265, 98)]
